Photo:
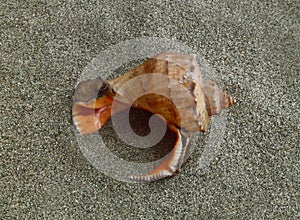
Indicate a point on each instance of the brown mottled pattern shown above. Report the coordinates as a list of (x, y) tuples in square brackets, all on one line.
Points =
[(184, 104)]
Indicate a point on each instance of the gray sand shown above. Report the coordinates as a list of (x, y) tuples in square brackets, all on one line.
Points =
[(254, 48)]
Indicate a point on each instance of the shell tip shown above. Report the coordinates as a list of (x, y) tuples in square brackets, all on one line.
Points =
[(231, 100)]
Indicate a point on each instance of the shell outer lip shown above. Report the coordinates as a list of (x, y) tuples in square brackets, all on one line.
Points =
[(90, 90)]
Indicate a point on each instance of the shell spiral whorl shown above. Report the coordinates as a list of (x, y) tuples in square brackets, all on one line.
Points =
[(215, 99)]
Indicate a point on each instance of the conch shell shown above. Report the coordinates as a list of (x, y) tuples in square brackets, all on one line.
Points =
[(173, 88)]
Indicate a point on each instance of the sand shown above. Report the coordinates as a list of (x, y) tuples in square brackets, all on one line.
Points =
[(252, 47)]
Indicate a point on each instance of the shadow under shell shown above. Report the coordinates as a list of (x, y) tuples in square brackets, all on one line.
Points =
[(139, 122)]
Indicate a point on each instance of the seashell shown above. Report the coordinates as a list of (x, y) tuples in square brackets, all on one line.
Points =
[(182, 97)]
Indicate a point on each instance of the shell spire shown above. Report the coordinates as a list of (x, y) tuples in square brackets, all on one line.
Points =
[(215, 99)]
